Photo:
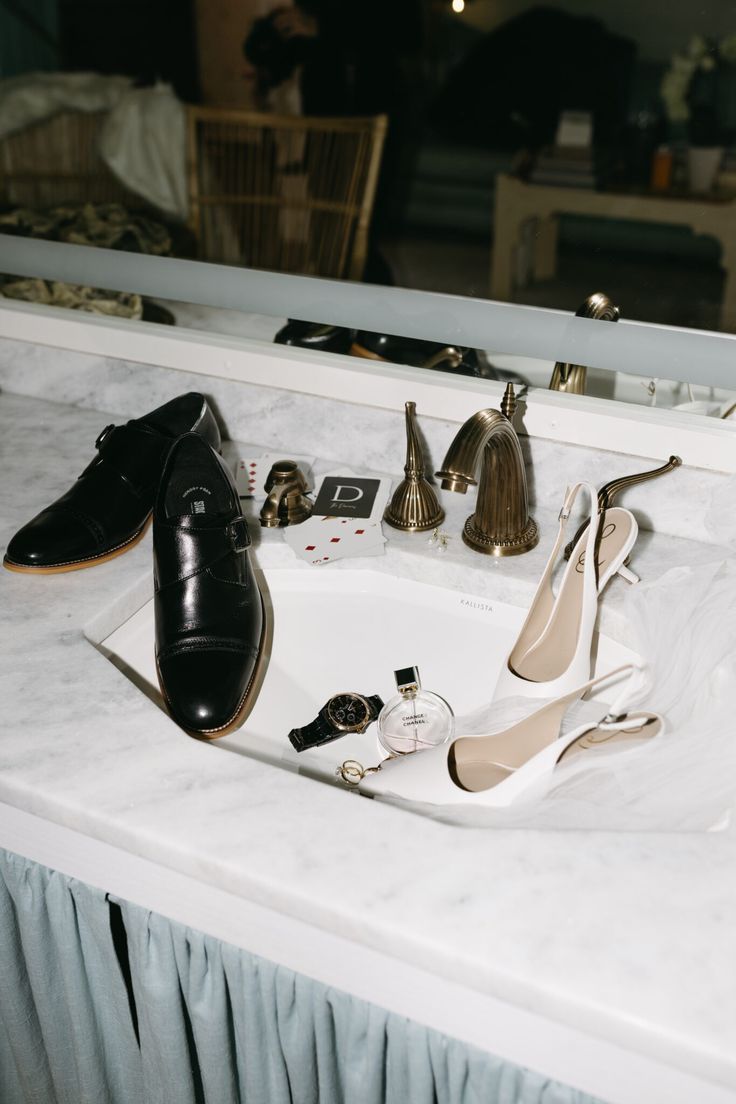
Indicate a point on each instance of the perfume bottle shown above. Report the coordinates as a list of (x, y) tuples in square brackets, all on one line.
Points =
[(414, 719)]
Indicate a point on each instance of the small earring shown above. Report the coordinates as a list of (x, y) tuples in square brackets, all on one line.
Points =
[(439, 539)]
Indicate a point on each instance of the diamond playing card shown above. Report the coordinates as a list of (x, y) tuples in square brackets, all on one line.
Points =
[(322, 540)]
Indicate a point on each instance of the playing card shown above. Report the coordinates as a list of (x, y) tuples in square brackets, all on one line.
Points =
[(321, 540), (347, 495)]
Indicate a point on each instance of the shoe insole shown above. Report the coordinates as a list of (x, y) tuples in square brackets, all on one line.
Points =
[(650, 726), (196, 485), (478, 763), (549, 655)]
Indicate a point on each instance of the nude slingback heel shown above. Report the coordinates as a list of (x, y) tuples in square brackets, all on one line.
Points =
[(552, 652), (495, 770)]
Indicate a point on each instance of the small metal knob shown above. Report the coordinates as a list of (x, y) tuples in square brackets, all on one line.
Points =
[(508, 402)]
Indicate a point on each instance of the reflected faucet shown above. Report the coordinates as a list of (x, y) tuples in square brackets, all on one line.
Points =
[(572, 378), (501, 525)]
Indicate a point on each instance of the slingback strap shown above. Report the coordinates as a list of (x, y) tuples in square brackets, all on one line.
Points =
[(617, 709), (589, 566)]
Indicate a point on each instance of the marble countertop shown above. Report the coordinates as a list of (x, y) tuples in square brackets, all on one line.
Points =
[(629, 936)]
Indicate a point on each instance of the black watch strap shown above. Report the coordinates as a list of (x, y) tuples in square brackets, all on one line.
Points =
[(377, 704), (321, 731)]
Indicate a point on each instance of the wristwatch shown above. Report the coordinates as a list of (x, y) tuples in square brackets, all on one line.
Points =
[(343, 713)]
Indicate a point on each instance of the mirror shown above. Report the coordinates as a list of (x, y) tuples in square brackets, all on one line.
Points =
[(486, 148)]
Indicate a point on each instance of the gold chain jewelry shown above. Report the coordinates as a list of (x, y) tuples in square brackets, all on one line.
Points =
[(352, 772)]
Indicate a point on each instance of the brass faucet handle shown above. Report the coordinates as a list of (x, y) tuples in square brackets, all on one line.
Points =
[(286, 502), (285, 471), (613, 488)]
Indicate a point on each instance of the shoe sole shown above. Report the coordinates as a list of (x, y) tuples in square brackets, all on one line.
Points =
[(242, 711), (79, 565), (361, 351)]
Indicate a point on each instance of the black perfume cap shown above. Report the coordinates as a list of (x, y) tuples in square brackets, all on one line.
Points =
[(407, 678)]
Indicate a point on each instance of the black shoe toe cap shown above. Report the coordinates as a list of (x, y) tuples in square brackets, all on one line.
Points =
[(205, 688), (54, 538)]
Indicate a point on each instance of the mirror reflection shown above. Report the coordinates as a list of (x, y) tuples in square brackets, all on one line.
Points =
[(494, 148)]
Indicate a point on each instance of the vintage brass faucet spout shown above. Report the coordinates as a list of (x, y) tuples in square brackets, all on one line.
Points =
[(501, 525)]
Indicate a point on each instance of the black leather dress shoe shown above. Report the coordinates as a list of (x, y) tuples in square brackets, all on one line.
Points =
[(106, 511), (208, 608), (398, 350)]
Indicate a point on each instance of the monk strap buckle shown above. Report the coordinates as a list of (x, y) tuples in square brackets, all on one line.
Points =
[(238, 533), (103, 436)]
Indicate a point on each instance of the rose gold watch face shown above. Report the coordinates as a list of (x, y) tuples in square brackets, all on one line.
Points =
[(347, 711)]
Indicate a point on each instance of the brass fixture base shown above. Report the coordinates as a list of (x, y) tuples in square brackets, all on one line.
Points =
[(295, 517), (409, 527), (414, 507), (476, 539)]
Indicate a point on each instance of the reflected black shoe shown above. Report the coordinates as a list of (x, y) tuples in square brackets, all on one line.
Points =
[(106, 511), (313, 335), (424, 354), (208, 608)]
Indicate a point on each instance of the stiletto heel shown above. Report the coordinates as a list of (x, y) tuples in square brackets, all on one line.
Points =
[(494, 770), (553, 650)]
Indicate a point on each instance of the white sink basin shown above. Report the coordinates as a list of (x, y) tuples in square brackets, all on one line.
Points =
[(332, 631)]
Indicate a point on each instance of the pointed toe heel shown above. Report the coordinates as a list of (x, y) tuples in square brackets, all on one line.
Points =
[(494, 771)]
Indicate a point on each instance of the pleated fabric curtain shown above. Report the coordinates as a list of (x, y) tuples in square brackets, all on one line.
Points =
[(103, 1002)]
